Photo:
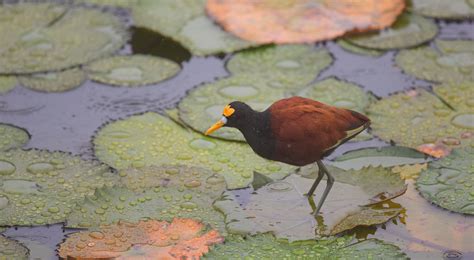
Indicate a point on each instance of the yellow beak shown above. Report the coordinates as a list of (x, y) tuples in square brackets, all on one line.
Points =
[(216, 126)]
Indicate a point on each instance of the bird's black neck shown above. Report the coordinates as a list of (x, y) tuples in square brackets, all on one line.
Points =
[(257, 132)]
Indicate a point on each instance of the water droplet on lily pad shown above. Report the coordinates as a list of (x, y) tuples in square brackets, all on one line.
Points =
[(464, 121), (238, 92), (20, 186), (40, 168), (6, 168), (202, 144)]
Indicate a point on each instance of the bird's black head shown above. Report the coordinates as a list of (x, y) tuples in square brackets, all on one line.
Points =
[(235, 114)]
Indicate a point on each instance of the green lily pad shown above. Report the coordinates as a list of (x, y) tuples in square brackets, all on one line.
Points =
[(266, 246), (453, 9), (132, 70), (448, 182), (453, 62), (11, 249), (154, 193), (339, 93), (65, 38), (186, 22), (409, 30), (282, 208), (417, 118), (346, 45), (152, 139), (387, 156), (203, 106), (7, 83), (39, 187), (284, 66), (12, 137), (54, 81)]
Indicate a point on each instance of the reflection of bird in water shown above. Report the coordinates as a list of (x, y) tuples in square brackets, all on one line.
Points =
[(296, 130)]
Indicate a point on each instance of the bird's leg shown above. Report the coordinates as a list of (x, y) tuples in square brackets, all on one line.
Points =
[(316, 182), (328, 187)]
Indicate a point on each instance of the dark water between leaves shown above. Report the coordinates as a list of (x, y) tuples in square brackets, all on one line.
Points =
[(67, 121)]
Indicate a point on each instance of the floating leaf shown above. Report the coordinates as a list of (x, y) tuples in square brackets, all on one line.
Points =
[(7, 83), (409, 171), (64, 38), (152, 139), (386, 156), (359, 50), (409, 30), (420, 120), (163, 193), (148, 239), (284, 66), (266, 246), (132, 70), (12, 137), (40, 187), (282, 208), (338, 93), (453, 9), (11, 249), (448, 182), (186, 22), (54, 81), (453, 62), (300, 21)]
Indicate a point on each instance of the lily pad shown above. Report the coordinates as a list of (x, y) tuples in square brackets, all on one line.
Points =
[(152, 139), (7, 83), (65, 38), (409, 30), (408, 172), (339, 93), (453, 9), (54, 81), (149, 239), (186, 22), (302, 21), (346, 45), (203, 106), (39, 187), (12, 137), (152, 192), (266, 246), (417, 119), (11, 249), (285, 66), (448, 182), (452, 62), (282, 208), (132, 70), (386, 156)]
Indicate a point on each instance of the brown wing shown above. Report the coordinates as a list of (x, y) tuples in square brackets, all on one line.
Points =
[(305, 130)]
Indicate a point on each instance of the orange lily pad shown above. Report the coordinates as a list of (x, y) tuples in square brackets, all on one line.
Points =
[(298, 21), (150, 239)]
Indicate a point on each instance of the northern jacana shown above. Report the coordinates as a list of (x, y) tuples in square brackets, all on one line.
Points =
[(297, 131)]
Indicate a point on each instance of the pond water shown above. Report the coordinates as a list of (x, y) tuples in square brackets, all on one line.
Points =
[(67, 121)]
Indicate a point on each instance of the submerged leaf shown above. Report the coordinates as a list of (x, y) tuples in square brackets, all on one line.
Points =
[(11, 249), (449, 182), (7, 83), (452, 9), (420, 120), (132, 70), (12, 137), (163, 193), (346, 45), (283, 66), (152, 139), (41, 187), (452, 62), (409, 30), (266, 246), (46, 37), (282, 208), (291, 21), (54, 81), (148, 239), (186, 22)]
